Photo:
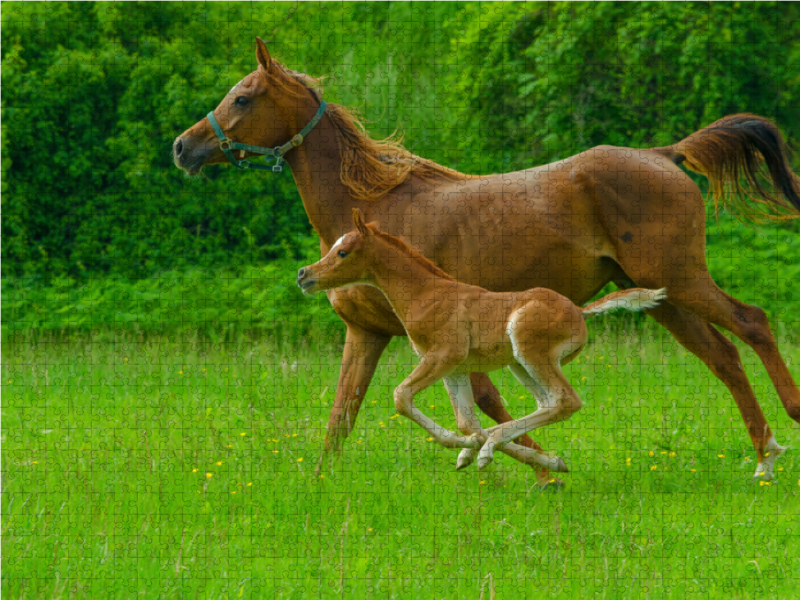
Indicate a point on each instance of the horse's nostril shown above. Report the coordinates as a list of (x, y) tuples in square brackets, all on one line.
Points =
[(178, 147), (300, 273)]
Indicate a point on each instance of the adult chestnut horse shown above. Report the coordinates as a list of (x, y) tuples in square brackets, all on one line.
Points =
[(622, 215)]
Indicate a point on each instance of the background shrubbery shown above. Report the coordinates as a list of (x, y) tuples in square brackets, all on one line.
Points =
[(99, 227)]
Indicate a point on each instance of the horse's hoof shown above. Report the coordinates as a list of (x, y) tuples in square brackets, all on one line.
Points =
[(465, 458)]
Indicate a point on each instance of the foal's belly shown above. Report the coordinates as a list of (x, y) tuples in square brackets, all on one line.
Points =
[(487, 359)]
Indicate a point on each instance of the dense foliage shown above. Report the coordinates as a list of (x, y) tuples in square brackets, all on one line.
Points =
[(95, 93)]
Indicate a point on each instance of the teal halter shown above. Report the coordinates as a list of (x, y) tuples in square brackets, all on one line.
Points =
[(227, 145)]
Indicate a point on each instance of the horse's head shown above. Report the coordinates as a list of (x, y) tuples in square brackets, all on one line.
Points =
[(347, 262), (264, 109)]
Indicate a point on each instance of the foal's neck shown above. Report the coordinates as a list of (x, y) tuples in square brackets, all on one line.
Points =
[(400, 276)]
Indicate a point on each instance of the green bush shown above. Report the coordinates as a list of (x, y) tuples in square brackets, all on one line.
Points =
[(95, 93)]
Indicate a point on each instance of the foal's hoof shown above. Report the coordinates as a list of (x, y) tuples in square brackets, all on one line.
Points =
[(484, 461), (552, 483), (561, 466), (465, 458)]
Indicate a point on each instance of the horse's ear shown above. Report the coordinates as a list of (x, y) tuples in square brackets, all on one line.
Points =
[(262, 55), (358, 221)]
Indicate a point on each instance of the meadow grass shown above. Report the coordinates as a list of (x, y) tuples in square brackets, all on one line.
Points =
[(170, 469)]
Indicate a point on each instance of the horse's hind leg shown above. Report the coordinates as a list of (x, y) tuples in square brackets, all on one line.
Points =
[(748, 323), (722, 358)]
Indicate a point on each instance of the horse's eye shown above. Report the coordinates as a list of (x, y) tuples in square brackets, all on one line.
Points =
[(242, 101), (342, 253)]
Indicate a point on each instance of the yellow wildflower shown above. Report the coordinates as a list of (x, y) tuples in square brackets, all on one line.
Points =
[(194, 470), (300, 459), (209, 475), (654, 467)]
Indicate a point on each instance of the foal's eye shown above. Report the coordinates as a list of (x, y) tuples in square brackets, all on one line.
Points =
[(241, 101), (342, 253)]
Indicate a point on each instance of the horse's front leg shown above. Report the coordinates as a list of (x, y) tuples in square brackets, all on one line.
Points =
[(362, 351)]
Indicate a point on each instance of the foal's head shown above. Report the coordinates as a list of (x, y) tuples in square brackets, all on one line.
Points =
[(347, 262), (263, 109)]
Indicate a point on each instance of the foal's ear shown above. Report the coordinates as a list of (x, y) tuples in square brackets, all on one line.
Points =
[(262, 54), (358, 221)]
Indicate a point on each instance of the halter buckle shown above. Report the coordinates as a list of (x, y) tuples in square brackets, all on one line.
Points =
[(223, 146), (297, 140), (277, 168)]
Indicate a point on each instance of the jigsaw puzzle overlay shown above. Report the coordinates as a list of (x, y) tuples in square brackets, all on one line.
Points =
[(266, 265)]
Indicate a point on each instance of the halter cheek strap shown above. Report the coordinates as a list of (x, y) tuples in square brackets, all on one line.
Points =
[(228, 146)]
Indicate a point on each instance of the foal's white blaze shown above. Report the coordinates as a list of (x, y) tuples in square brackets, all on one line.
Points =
[(772, 451), (339, 241)]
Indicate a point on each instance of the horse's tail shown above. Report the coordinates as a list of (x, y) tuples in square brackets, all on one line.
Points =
[(736, 147), (634, 299)]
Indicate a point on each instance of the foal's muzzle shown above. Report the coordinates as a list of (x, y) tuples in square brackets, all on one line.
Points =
[(304, 279)]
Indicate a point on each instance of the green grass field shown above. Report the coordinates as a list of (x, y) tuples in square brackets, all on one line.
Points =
[(167, 469)]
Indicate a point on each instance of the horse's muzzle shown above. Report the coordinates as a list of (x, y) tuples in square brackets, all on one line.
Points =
[(189, 156)]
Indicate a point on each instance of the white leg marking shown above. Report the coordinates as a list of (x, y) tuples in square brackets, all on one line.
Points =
[(772, 451)]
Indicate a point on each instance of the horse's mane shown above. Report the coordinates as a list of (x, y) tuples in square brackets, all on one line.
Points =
[(370, 168), (404, 247)]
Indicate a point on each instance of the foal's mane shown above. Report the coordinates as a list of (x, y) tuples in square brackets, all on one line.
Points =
[(404, 247), (370, 168)]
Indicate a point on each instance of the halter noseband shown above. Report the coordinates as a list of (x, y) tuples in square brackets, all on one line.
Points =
[(227, 145)]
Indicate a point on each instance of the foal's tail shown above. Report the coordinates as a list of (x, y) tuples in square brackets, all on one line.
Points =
[(740, 147), (634, 299)]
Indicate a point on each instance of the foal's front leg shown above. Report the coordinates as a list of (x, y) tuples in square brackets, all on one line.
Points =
[(431, 369)]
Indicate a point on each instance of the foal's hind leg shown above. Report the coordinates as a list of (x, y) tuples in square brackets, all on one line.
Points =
[(556, 399), (460, 392)]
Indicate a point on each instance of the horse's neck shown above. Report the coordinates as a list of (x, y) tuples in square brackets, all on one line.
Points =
[(316, 165), (400, 277)]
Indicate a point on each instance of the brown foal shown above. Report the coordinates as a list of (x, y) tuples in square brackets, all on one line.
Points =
[(457, 329), (623, 215)]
